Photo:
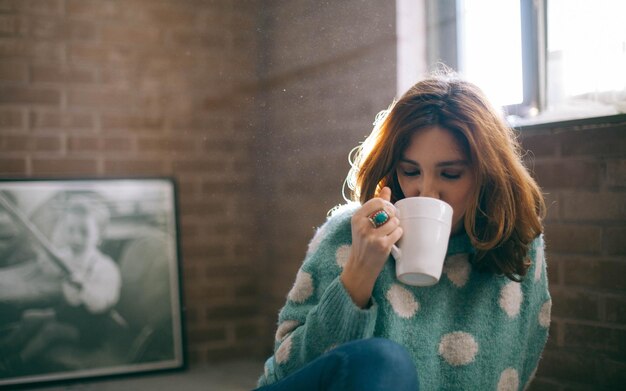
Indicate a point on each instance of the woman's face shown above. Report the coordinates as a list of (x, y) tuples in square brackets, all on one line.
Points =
[(435, 165)]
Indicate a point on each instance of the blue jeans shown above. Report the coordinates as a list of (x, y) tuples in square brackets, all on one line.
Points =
[(367, 364)]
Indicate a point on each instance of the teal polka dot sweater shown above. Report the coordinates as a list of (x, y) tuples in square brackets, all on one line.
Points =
[(472, 331)]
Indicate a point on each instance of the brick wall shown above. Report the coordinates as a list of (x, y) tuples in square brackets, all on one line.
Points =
[(327, 69), (142, 87), (582, 170)]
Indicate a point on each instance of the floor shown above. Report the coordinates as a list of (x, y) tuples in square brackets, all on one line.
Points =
[(229, 376)]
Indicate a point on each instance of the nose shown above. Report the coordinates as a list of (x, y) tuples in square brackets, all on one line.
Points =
[(429, 188)]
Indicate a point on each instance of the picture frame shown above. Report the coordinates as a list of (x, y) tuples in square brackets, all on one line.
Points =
[(90, 279)]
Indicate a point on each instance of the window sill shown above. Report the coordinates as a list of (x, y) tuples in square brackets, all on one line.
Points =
[(570, 123)]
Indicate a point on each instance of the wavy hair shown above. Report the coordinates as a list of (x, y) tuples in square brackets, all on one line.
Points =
[(506, 210)]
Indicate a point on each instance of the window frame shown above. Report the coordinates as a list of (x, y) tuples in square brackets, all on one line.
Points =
[(443, 47)]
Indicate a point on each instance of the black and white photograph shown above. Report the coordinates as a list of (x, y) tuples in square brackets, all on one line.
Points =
[(89, 279)]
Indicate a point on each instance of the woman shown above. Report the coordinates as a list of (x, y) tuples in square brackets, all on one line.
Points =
[(350, 324)]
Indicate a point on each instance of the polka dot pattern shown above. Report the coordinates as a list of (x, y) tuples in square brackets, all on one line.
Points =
[(284, 351), (285, 328), (303, 287), (342, 255), (509, 380), (457, 268), (458, 348), (544, 314), (402, 301), (511, 298), (539, 260)]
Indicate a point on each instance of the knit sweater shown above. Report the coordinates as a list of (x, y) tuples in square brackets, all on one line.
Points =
[(472, 330)]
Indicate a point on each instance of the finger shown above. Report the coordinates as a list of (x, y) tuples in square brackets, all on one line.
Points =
[(374, 205), (394, 236), (385, 194)]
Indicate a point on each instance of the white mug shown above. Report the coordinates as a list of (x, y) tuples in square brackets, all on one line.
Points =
[(420, 253)]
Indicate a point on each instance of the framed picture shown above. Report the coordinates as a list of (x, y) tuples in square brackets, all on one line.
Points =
[(89, 279)]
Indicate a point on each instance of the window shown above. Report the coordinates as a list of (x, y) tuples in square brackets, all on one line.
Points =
[(541, 60)]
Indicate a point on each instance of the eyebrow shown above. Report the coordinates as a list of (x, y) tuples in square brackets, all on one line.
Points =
[(448, 163)]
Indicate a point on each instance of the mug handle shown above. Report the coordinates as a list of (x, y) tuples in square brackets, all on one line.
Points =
[(396, 252)]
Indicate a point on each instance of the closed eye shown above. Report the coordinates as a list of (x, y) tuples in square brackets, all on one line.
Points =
[(410, 172), (451, 175)]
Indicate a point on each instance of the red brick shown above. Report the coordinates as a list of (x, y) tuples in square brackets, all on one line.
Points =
[(582, 239), (16, 71), (230, 311), (12, 166), (568, 174), (190, 37), (596, 338), (188, 186), (133, 167), (539, 145), (83, 144), (50, 52), (16, 143), (8, 5), (60, 74), (201, 123), (9, 25), (170, 14), (45, 27), (141, 35), (206, 334), (117, 144), (45, 7), (594, 206), (165, 145), (47, 143), (101, 54), (601, 275), (21, 143), (246, 330), (61, 120), (29, 95), (616, 172), (64, 166), (94, 9), (572, 304), (543, 384), (610, 141), (574, 366), (11, 119), (98, 98), (131, 122), (229, 185), (198, 166), (190, 207), (117, 76), (615, 240), (613, 374), (616, 310)]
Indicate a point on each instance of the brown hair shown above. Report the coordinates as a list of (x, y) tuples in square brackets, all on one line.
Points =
[(507, 207)]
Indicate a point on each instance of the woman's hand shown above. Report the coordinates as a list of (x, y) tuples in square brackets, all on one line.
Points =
[(370, 247)]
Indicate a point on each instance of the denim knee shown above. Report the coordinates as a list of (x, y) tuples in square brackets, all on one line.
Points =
[(381, 364)]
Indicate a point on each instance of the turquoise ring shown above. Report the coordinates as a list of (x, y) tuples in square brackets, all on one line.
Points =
[(378, 218)]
